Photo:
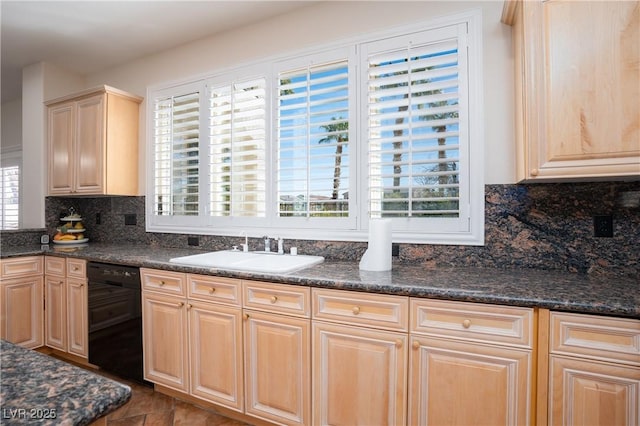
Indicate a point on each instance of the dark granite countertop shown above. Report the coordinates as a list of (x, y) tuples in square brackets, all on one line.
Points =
[(38, 389), (557, 290)]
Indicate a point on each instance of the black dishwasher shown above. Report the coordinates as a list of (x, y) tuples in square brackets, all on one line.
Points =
[(115, 319)]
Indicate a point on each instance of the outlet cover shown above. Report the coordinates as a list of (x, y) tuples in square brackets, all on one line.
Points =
[(130, 219), (193, 241), (603, 226)]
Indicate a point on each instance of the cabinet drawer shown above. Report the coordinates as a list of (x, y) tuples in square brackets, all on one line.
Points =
[(164, 281), (20, 266), (609, 339), (214, 289), (473, 321), (76, 268), (352, 307), (278, 298), (55, 266)]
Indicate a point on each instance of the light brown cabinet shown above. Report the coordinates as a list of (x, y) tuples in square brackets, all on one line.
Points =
[(21, 307), (192, 335), (360, 350), (470, 363), (594, 370), (277, 352), (577, 67), (93, 143), (164, 328), (66, 305), (215, 340)]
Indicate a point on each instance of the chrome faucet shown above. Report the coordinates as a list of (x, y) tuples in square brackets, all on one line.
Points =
[(245, 246)]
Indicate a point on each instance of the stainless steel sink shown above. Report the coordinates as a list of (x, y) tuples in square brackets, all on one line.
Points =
[(249, 261)]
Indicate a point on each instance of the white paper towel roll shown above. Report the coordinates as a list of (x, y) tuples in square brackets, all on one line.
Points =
[(378, 254)]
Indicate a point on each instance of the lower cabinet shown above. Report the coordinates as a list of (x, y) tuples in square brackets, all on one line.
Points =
[(165, 343), (594, 370), (215, 333), (21, 307), (470, 364), (277, 352), (192, 335), (359, 358), (66, 305)]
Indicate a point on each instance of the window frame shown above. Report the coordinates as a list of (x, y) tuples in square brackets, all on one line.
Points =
[(12, 158), (357, 229)]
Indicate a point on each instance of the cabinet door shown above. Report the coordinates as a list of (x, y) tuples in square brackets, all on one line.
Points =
[(368, 366), (22, 313), (77, 321), (277, 367), (61, 141), (584, 73), (215, 335), (587, 392), (55, 312), (164, 335), (90, 138), (458, 383)]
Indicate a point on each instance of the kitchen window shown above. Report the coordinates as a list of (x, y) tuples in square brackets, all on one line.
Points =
[(11, 183), (315, 145)]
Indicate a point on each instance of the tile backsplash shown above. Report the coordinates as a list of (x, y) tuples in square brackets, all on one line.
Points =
[(547, 226)]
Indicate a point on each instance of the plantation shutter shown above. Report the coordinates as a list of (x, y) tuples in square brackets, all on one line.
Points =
[(176, 122), (313, 141), (237, 114), (10, 209), (417, 128)]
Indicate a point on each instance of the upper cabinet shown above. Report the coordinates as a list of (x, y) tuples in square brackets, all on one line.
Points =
[(577, 72), (93, 143)]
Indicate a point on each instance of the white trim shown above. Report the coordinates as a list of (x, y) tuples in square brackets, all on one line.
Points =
[(325, 230)]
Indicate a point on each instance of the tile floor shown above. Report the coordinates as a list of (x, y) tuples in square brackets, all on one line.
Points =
[(149, 408)]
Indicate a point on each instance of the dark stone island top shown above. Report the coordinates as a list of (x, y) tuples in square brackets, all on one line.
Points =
[(38, 389), (552, 289)]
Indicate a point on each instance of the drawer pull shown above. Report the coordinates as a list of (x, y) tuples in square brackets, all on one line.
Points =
[(212, 290), (356, 310), (416, 345), (466, 323), (274, 299), (162, 283)]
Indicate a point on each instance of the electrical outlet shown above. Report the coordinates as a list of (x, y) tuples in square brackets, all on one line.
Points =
[(603, 226), (193, 241), (98, 218), (395, 250), (130, 219)]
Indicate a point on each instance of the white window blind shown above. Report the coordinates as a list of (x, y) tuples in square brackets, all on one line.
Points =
[(10, 209), (414, 130), (313, 141), (237, 114), (177, 148)]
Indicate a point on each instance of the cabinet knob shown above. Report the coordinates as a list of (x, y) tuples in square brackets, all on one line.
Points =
[(212, 290), (398, 343), (534, 172), (245, 316), (180, 304), (416, 344), (274, 299), (189, 306), (162, 283), (356, 310), (81, 285), (466, 323)]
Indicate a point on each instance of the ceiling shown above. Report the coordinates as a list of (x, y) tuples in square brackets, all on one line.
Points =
[(90, 36)]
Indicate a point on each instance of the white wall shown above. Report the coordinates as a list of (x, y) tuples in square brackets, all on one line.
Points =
[(40, 82), (328, 22), (11, 126)]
